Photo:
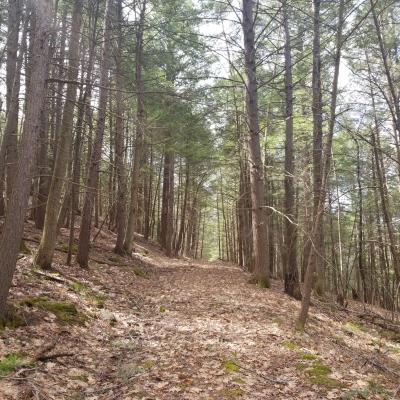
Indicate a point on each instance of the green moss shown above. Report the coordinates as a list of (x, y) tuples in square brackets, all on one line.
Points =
[(139, 272), (352, 327), (319, 369), (64, 311), (308, 356), (12, 318), (318, 374), (94, 298), (78, 286), (97, 299), (231, 366), (263, 283), (394, 349), (277, 321), (11, 362), (82, 378), (289, 345), (232, 393), (326, 381), (148, 364), (301, 366)]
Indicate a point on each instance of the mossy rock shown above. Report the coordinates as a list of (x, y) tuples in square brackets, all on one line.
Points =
[(64, 311), (12, 318), (11, 362)]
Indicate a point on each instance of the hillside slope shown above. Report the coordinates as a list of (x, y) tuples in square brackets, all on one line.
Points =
[(155, 328)]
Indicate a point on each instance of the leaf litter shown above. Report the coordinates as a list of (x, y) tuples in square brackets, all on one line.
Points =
[(182, 330)]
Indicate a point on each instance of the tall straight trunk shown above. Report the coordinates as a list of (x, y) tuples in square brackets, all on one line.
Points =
[(48, 242), (292, 286), (60, 74), (14, 222), (139, 142), (167, 208), (148, 207), (384, 196), (181, 233), (393, 103), (360, 255), (43, 167), (93, 172), (318, 240), (83, 110), (8, 152), (316, 237), (119, 140), (259, 223)]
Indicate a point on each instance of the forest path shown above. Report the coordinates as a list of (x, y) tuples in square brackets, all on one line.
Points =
[(209, 334), (172, 329)]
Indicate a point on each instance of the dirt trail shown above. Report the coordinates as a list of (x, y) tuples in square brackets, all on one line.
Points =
[(187, 331)]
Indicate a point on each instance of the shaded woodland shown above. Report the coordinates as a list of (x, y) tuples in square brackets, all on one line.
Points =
[(261, 134)]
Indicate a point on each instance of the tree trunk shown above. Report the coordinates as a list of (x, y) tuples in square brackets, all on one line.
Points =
[(259, 223), (292, 286), (8, 152), (119, 140), (14, 222), (139, 142), (48, 242), (94, 166), (316, 236)]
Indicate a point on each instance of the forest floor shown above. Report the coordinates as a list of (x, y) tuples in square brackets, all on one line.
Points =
[(156, 328)]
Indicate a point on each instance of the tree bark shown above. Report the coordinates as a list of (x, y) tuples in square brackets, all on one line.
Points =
[(139, 142), (93, 172), (259, 223), (14, 222), (119, 140), (48, 242), (292, 286)]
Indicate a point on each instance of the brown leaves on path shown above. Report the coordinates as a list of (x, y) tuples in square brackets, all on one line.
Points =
[(179, 330)]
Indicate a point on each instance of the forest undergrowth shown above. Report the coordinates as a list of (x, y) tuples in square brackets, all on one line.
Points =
[(150, 327)]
